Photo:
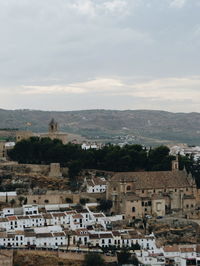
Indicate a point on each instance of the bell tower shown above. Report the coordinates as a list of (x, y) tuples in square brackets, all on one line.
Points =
[(175, 164), (53, 126)]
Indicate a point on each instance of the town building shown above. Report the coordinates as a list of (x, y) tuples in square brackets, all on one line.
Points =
[(137, 194), (96, 185), (53, 133)]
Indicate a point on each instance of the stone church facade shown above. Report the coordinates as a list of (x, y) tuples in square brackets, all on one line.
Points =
[(53, 133), (136, 194)]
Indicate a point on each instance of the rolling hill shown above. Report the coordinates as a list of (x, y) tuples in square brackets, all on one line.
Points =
[(141, 126)]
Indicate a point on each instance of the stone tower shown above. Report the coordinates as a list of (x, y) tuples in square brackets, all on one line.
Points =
[(175, 164), (53, 126)]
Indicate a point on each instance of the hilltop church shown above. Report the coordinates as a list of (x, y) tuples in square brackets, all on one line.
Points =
[(136, 194), (53, 133)]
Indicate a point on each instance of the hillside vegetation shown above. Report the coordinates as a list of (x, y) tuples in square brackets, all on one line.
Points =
[(144, 126)]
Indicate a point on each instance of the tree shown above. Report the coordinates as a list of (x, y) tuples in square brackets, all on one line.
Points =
[(21, 200), (83, 201), (74, 168), (105, 205), (93, 259), (25, 201), (12, 202), (123, 256)]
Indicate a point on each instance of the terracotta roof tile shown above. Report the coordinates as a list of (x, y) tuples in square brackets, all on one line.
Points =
[(149, 180), (171, 249)]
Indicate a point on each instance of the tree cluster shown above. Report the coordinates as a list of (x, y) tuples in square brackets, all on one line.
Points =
[(110, 157)]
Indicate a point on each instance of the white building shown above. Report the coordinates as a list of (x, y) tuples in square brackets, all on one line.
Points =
[(96, 185)]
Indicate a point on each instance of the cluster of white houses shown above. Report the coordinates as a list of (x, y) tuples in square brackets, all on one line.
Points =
[(56, 236), (178, 255), (53, 228), (69, 227)]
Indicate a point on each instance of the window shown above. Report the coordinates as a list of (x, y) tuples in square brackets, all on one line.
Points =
[(142, 203), (133, 209), (128, 188), (142, 191)]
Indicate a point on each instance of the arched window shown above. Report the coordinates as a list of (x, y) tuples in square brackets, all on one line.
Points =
[(128, 188)]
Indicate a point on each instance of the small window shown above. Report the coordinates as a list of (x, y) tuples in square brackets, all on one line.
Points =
[(133, 209), (128, 188)]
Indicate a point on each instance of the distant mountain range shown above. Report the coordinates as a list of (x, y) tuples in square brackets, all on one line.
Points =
[(134, 126)]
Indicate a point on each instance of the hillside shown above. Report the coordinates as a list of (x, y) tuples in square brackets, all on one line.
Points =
[(142, 126)]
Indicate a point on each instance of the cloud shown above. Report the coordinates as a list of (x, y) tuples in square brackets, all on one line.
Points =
[(116, 6), (175, 89), (92, 49), (84, 7), (53, 89), (96, 85), (94, 8), (178, 3), (172, 88)]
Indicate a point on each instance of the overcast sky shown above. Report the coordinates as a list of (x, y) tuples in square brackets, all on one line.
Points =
[(91, 54)]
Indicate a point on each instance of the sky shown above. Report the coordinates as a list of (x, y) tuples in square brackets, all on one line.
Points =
[(100, 54)]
